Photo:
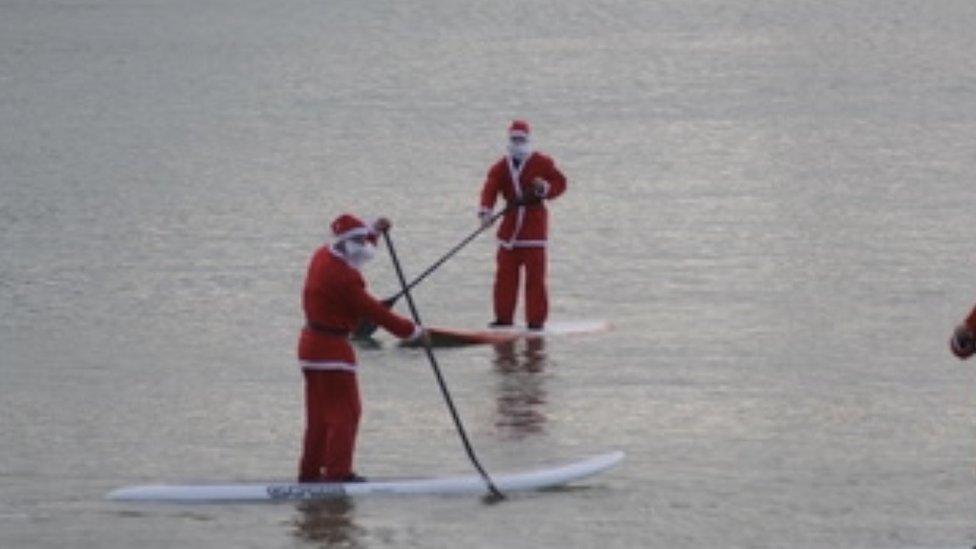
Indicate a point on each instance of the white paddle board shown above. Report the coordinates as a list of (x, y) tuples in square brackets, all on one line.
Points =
[(558, 327), (447, 337), (291, 491)]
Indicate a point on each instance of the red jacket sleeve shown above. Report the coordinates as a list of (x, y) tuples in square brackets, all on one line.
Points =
[(489, 190), (556, 179), (368, 307), (971, 320)]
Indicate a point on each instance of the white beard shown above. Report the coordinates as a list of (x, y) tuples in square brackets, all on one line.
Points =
[(359, 254), (520, 151)]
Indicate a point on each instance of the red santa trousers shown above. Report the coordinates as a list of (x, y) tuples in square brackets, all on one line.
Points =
[(332, 408), (510, 262)]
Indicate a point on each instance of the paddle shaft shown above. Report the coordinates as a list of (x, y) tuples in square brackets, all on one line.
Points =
[(445, 257), (366, 329), (437, 373)]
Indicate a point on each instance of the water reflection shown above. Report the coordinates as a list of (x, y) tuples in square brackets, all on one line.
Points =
[(520, 391), (328, 523)]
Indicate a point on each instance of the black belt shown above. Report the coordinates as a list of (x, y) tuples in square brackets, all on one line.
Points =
[(327, 330), (529, 203)]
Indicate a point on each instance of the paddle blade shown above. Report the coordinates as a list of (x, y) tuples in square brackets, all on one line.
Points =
[(456, 338)]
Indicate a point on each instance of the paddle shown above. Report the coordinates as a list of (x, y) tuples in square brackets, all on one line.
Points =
[(437, 372), (366, 328)]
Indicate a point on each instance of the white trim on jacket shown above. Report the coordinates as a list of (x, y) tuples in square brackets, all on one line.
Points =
[(327, 365)]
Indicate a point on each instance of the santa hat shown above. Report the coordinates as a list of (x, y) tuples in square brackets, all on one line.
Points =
[(519, 128), (349, 226)]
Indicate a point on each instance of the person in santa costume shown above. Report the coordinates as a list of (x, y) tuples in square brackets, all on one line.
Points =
[(963, 340), (525, 179), (335, 300)]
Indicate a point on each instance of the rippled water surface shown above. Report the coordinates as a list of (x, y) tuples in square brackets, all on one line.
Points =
[(771, 202)]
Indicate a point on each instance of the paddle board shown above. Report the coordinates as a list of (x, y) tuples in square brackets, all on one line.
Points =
[(447, 337), (290, 491)]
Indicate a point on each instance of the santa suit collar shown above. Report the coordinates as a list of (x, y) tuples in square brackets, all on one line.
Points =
[(516, 172), (337, 253)]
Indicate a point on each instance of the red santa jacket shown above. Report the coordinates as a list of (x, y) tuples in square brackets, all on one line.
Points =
[(971, 320), (335, 300), (527, 225)]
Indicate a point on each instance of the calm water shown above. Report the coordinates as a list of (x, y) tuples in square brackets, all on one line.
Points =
[(772, 201)]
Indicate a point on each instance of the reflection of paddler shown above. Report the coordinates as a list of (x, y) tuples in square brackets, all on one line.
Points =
[(329, 522), (532, 359), (521, 394)]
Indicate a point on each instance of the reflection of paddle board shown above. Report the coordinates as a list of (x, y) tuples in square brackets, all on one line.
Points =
[(444, 337), (286, 491)]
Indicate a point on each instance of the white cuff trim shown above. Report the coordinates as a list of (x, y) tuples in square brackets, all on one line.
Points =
[(326, 365), (418, 330), (508, 245)]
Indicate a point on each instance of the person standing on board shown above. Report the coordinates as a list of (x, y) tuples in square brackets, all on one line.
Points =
[(525, 179), (335, 300), (963, 340)]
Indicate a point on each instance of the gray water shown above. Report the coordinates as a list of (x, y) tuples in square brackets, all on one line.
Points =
[(772, 202)]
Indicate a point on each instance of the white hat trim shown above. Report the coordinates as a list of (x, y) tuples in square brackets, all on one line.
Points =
[(355, 231)]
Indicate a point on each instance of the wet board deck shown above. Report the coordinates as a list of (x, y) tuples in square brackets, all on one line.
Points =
[(548, 477), (447, 337)]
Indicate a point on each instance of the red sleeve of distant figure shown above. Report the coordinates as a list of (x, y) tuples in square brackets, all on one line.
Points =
[(971, 320), (489, 191), (368, 307), (556, 179)]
